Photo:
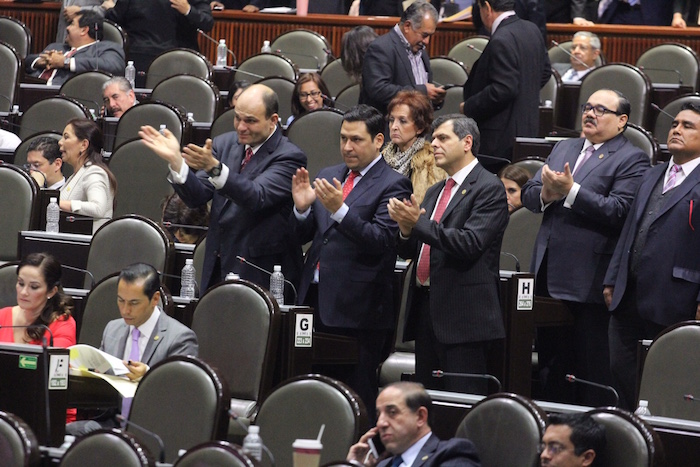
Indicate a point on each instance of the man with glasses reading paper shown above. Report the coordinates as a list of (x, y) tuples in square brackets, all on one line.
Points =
[(584, 192)]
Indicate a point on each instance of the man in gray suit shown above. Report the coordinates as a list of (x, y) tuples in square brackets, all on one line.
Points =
[(142, 337), (455, 237)]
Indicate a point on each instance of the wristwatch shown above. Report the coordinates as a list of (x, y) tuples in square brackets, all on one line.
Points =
[(216, 171), (66, 62)]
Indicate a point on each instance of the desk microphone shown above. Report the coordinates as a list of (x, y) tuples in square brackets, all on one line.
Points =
[(185, 226), (662, 111), (84, 271), (285, 53), (98, 107), (665, 70), (574, 379), (215, 42), (30, 326), (150, 433), (245, 261), (333, 103), (511, 255), (234, 416), (570, 54), (689, 398), (441, 374)]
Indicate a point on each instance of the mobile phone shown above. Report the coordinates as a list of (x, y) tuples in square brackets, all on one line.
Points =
[(376, 446)]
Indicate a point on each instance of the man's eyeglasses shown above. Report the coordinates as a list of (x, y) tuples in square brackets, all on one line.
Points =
[(553, 448), (598, 110), (305, 95)]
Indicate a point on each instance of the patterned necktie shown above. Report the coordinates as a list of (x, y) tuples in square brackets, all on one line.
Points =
[(423, 269), (589, 152), (397, 461), (350, 183), (248, 156), (671, 182), (134, 356), (47, 74)]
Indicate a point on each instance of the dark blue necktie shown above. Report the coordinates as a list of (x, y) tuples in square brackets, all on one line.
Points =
[(397, 461)]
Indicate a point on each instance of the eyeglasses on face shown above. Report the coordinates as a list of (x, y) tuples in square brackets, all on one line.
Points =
[(598, 110), (305, 95)]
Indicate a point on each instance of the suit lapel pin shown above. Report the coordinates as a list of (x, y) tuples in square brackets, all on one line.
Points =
[(600, 156), (425, 458), (156, 337), (464, 192)]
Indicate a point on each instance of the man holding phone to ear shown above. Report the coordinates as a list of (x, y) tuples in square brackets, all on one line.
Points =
[(403, 412)]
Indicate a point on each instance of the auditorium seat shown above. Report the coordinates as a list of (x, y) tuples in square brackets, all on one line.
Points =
[(215, 453), (299, 406), (51, 114), (126, 240), (317, 133), (519, 239), (348, 98), (114, 447), (141, 179), (10, 68), (184, 401), (402, 358), (643, 140), (265, 65), (238, 328), (335, 77), (112, 32), (453, 98), (86, 88), (223, 124), (627, 79), (447, 71), (198, 263), (307, 49), (284, 88), (177, 62), (19, 208), (670, 372), (630, 442), (531, 163), (551, 91), (17, 34), (190, 94), (507, 430), (100, 307), (664, 120), (8, 282), (149, 113), (468, 50), (671, 63), (20, 446)]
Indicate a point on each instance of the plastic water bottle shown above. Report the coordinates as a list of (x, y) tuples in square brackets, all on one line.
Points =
[(266, 49), (162, 128), (252, 443), (643, 408), (187, 279), (232, 276), (190, 117), (130, 73), (221, 53), (15, 109), (277, 284), (52, 215)]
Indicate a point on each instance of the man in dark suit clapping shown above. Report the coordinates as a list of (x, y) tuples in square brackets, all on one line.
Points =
[(455, 237)]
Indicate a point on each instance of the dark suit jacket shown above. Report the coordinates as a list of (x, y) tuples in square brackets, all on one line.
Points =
[(456, 452), (357, 256), (103, 55), (586, 234), (529, 10), (503, 90), (387, 70), (464, 256), (170, 337), (689, 9), (668, 275), (199, 17), (654, 12), (250, 214), (564, 11)]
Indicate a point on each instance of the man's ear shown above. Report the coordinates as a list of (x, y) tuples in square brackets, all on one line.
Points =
[(588, 457)]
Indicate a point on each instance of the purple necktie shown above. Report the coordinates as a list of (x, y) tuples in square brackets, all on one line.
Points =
[(133, 357), (589, 152), (671, 182)]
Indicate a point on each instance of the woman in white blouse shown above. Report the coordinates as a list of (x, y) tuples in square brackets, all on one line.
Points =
[(91, 189)]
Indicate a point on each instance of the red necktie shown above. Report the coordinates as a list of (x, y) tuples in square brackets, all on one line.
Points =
[(248, 156), (349, 183), (423, 270), (49, 72)]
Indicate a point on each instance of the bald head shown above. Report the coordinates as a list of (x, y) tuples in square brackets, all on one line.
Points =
[(256, 114)]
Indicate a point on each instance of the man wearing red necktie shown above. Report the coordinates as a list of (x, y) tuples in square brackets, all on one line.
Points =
[(455, 236), (347, 276)]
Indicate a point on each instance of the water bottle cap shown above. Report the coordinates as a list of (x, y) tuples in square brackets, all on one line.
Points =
[(253, 429), (162, 126), (189, 261), (266, 43), (222, 41), (130, 63), (277, 268), (53, 199), (643, 403), (231, 276)]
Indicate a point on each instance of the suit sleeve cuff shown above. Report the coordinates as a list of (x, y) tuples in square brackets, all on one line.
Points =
[(220, 180), (340, 214), (181, 176), (571, 197)]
